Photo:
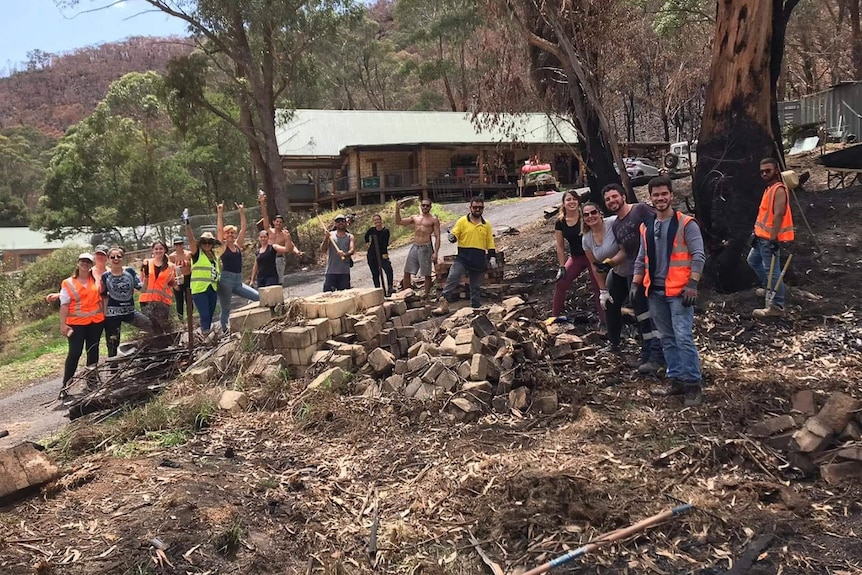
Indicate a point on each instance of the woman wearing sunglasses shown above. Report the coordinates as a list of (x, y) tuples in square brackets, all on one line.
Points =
[(599, 244), (206, 270), (568, 230), (118, 292)]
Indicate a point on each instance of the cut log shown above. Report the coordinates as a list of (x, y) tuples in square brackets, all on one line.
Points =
[(24, 466)]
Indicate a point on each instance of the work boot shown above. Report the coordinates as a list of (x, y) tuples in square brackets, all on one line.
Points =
[(770, 311), (611, 348), (442, 309), (673, 387), (760, 292), (693, 397), (648, 368)]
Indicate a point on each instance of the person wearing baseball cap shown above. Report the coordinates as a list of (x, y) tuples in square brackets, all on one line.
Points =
[(82, 318), (101, 263)]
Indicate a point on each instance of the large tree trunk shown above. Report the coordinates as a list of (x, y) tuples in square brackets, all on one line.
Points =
[(738, 129)]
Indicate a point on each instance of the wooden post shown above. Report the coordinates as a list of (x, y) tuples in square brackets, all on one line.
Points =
[(190, 322)]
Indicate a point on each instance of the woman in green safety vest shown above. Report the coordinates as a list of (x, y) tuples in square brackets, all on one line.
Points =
[(206, 270)]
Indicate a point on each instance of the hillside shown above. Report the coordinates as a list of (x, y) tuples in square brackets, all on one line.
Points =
[(57, 91)]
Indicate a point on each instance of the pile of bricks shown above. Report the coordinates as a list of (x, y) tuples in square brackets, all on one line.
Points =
[(340, 328), (812, 439), (476, 360)]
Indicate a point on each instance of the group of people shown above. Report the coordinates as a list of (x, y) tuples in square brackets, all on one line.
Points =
[(652, 256), (99, 295)]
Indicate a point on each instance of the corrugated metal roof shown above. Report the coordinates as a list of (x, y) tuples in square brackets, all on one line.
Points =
[(27, 239), (328, 132)]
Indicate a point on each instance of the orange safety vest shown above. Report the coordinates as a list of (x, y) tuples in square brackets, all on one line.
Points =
[(679, 264), (157, 288), (765, 223), (85, 306)]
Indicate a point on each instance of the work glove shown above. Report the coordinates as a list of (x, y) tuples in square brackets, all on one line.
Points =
[(452, 238), (774, 247), (492, 263), (185, 216), (605, 298), (561, 273), (689, 293), (605, 266), (633, 292)]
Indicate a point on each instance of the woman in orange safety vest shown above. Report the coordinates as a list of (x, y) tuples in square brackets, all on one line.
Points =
[(81, 317), (159, 281)]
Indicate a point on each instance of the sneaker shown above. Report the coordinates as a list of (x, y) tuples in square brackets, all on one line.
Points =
[(673, 387), (442, 309), (693, 395), (760, 292), (771, 311), (648, 368)]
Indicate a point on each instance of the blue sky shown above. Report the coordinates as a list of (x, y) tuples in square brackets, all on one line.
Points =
[(38, 24)]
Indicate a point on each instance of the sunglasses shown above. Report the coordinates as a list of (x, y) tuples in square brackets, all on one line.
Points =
[(206, 242), (477, 207), (591, 213), (116, 257), (656, 228), (426, 205)]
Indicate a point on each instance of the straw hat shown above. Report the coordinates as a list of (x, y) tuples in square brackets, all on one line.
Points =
[(791, 179)]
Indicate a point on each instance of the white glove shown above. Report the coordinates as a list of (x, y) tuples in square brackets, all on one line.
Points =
[(185, 216), (452, 238), (605, 298), (561, 273), (492, 263)]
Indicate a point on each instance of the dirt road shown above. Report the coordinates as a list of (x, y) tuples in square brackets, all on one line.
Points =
[(32, 413)]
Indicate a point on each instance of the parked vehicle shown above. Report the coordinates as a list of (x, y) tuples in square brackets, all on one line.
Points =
[(641, 167), (682, 157)]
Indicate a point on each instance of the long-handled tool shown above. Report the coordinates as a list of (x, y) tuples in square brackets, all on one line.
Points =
[(331, 239), (607, 538), (770, 290), (380, 265), (793, 195)]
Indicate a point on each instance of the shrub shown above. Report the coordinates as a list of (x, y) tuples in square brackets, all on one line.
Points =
[(8, 295), (47, 273)]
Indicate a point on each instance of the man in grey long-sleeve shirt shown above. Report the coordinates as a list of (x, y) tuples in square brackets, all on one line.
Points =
[(669, 265)]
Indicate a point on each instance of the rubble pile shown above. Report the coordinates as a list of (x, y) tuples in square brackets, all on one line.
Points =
[(827, 439), (356, 341)]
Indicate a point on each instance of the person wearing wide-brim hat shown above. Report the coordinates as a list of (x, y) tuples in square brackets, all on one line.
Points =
[(206, 269)]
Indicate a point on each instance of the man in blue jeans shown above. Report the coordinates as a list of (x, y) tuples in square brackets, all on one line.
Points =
[(669, 265), (773, 227)]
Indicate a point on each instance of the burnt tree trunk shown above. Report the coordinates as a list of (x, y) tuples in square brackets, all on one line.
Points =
[(739, 128), (554, 53)]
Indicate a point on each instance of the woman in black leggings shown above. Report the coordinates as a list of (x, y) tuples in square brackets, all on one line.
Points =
[(81, 318)]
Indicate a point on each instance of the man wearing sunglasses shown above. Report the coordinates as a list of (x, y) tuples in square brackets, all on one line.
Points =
[(774, 226), (423, 252), (668, 266), (476, 251)]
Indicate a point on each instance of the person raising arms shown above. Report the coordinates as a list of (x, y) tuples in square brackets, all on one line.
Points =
[(230, 282)]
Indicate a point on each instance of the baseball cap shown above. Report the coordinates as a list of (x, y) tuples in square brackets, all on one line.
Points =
[(340, 217), (102, 249), (87, 256), (179, 240)]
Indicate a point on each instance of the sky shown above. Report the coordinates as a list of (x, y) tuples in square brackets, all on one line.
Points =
[(38, 24)]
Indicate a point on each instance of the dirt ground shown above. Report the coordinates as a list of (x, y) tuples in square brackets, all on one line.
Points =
[(300, 484)]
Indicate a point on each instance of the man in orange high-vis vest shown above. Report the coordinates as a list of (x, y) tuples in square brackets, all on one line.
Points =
[(668, 265), (774, 226)]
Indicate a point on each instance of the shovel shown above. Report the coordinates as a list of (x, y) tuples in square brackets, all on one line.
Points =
[(770, 289)]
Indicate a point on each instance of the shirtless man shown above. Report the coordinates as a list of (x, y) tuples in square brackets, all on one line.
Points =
[(278, 234), (182, 260), (423, 251)]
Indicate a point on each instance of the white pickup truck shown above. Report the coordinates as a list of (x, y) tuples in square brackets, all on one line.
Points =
[(682, 157)]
